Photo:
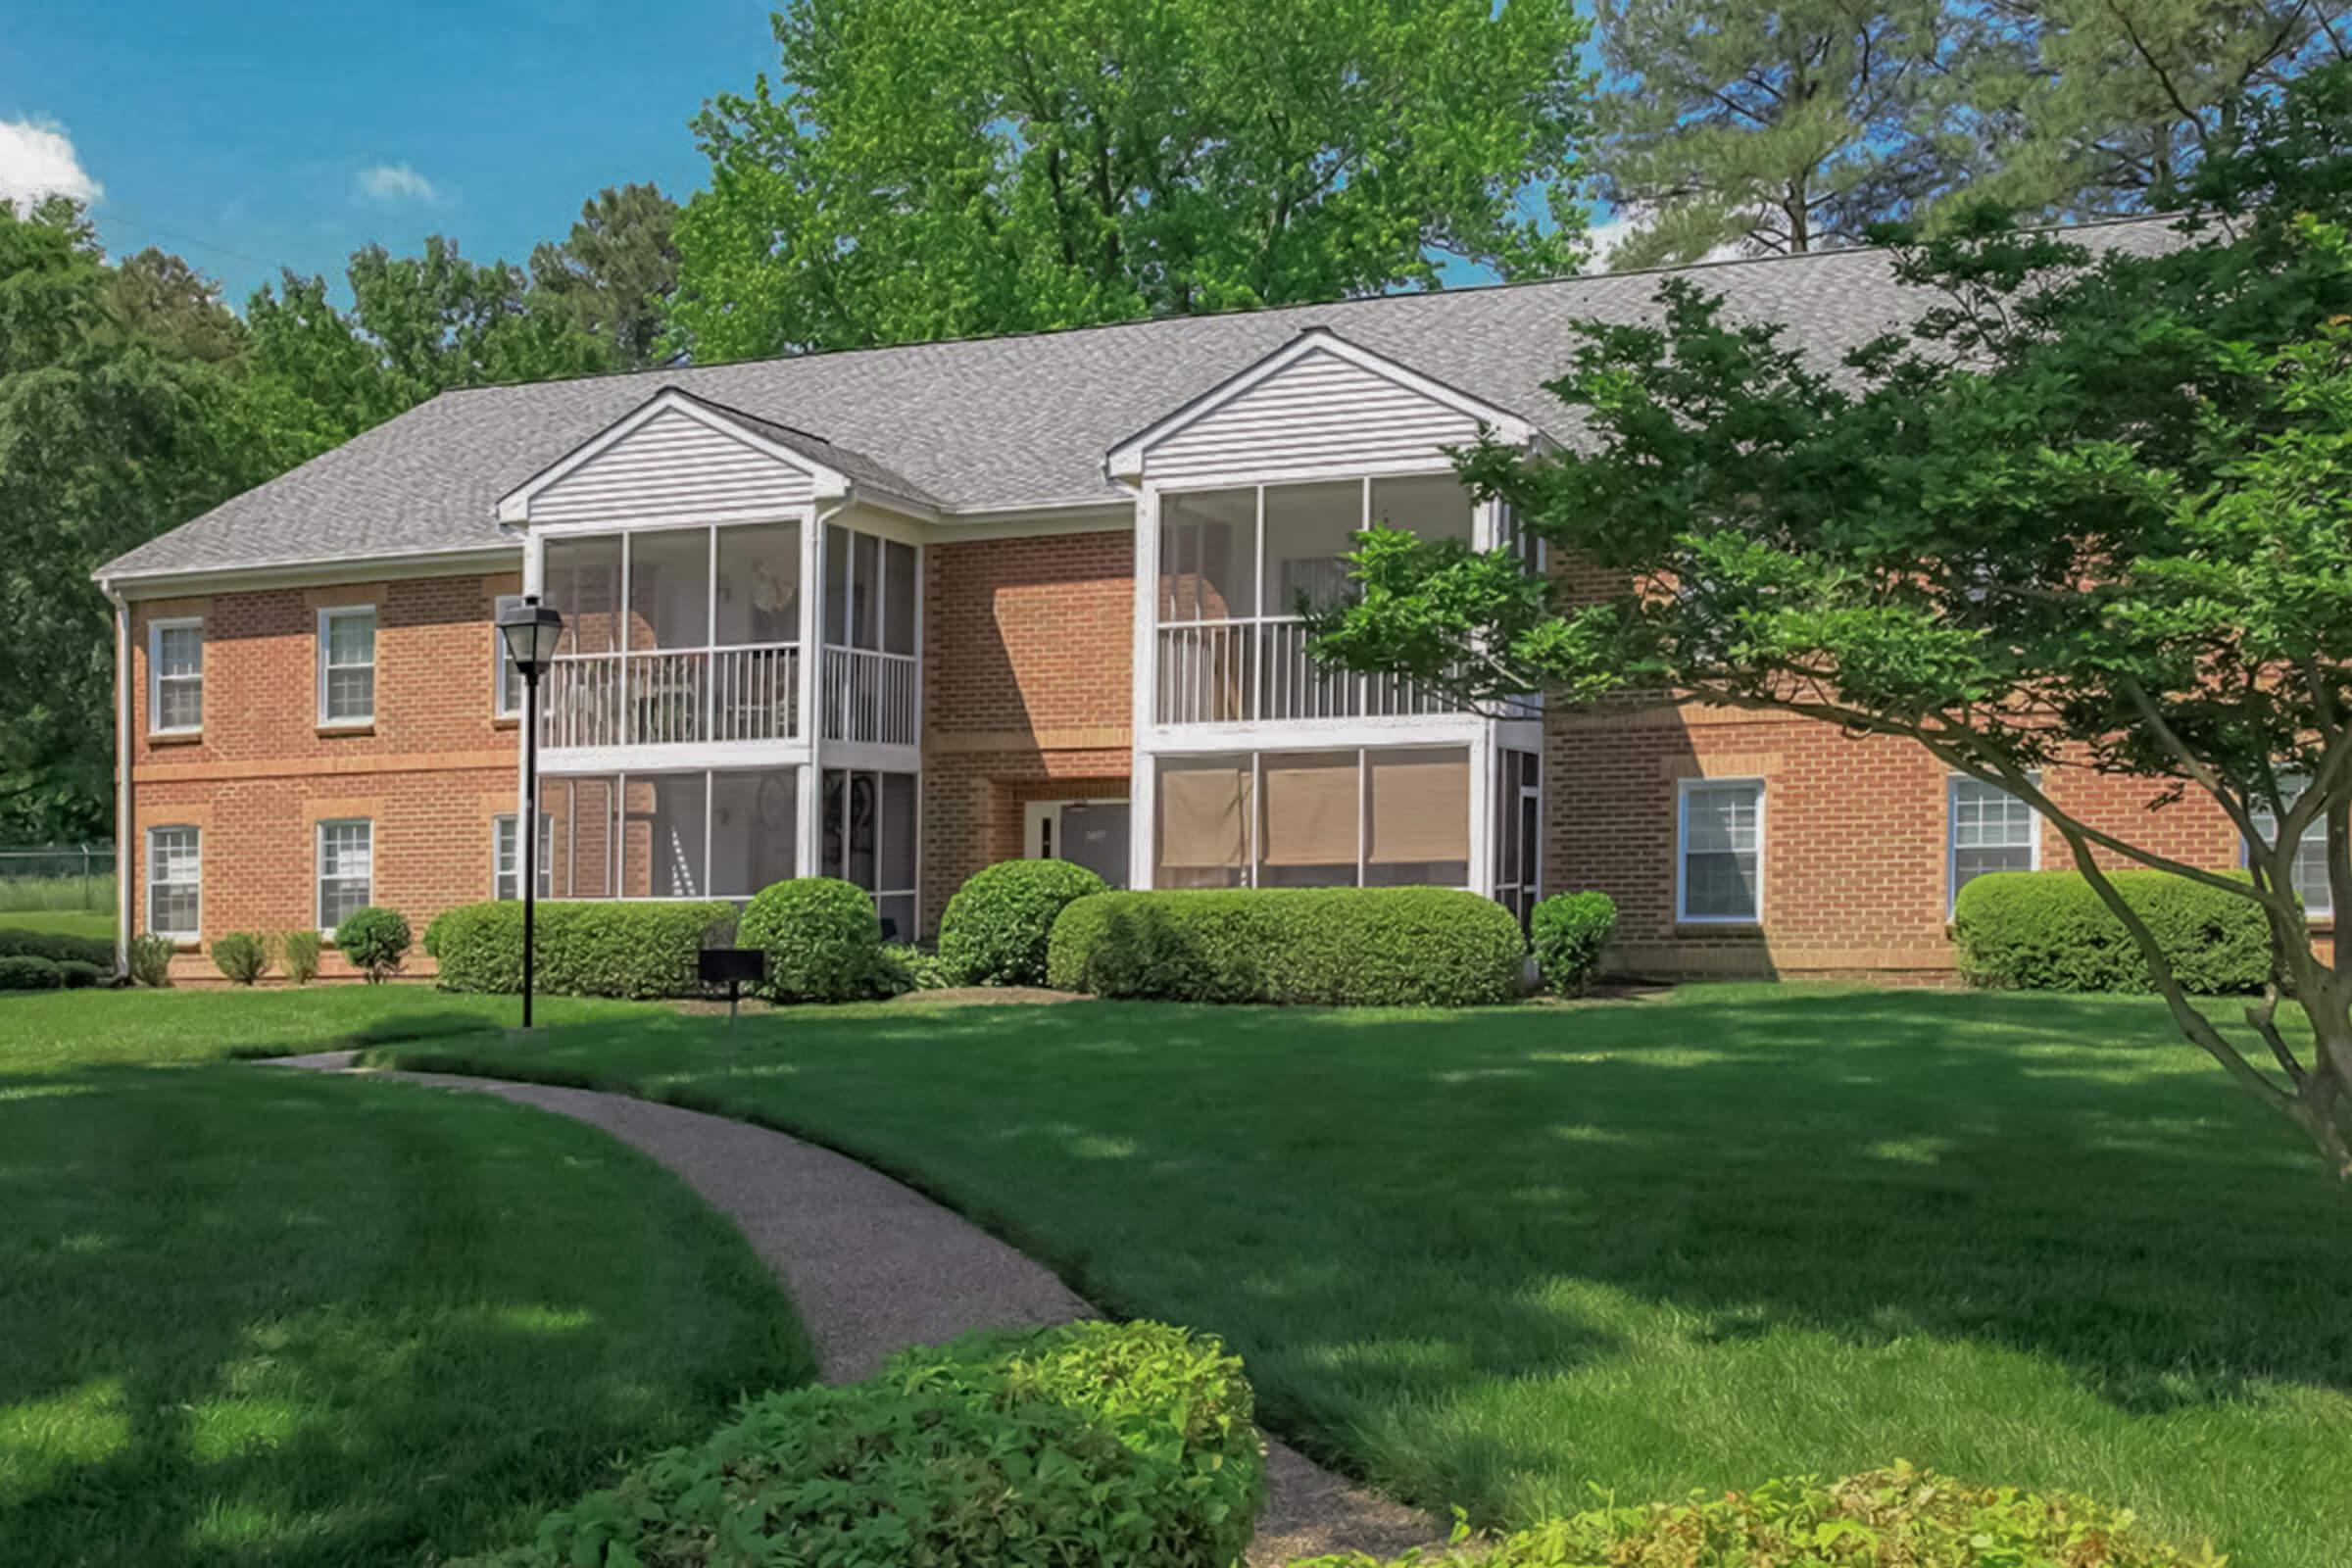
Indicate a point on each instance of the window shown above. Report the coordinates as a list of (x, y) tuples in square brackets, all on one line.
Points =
[(870, 592), (1518, 831), (175, 676), (1391, 818), (1720, 863), (507, 700), (506, 875), (1990, 830), (2311, 855), (346, 870), (347, 666), (175, 882), (870, 839)]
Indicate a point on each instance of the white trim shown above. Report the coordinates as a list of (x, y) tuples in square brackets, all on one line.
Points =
[(155, 677), (125, 702), (148, 879), (547, 834), (726, 756), (326, 615), (312, 572), (1682, 839), (499, 665), (515, 507), (1951, 839), (319, 866)]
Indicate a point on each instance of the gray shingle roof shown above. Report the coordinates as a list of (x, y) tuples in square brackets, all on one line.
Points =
[(987, 423)]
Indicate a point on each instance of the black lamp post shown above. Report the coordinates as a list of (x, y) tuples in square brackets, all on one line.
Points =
[(532, 631)]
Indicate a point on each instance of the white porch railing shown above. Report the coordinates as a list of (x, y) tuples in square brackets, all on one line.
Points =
[(871, 696), (1233, 671), (672, 697)]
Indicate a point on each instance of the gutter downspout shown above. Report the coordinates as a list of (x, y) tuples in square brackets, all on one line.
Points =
[(125, 824)]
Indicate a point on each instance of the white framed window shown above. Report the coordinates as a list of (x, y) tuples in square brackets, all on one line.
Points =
[(506, 698), (174, 677), (2311, 855), (346, 870), (1719, 852), (347, 666), (1986, 829), (505, 857), (175, 882)]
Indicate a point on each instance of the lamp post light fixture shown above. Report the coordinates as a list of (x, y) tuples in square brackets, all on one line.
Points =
[(531, 630)]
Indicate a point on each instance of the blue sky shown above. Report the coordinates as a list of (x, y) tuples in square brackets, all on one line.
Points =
[(249, 135)]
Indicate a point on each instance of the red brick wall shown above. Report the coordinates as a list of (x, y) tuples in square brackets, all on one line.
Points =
[(430, 772)]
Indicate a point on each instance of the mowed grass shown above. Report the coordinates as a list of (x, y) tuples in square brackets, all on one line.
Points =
[(1506, 1258), (258, 1316), (97, 925)]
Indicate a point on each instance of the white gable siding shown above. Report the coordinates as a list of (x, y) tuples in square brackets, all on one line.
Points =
[(1317, 412), (673, 467)]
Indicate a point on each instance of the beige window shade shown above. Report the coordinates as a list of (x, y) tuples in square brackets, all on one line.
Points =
[(1420, 806), (1205, 816), (1310, 809)]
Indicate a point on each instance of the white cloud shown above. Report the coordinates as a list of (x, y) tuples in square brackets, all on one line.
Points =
[(38, 159), (1626, 221), (396, 182)]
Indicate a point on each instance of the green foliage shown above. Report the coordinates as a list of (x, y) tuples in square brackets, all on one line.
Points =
[(79, 975), (27, 973), (241, 955), (298, 955), (2049, 931), (822, 939), (919, 169), (615, 272), (1569, 932), (909, 969), (1344, 947), (994, 929), (600, 948), (1885, 1517), (148, 957), (55, 946), (375, 941), (1129, 1446)]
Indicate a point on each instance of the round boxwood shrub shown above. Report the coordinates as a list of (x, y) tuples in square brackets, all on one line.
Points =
[(2049, 931), (822, 939), (1569, 932), (1348, 947), (996, 927), (375, 941), (241, 957), (78, 975), (25, 972), (586, 947), (1129, 1446)]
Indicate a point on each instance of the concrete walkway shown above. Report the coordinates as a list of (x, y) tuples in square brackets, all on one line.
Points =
[(875, 1266)]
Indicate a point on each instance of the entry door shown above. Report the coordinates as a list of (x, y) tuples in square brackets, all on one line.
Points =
[(1087, 833)]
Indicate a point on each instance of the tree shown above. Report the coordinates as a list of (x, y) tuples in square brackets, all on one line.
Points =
[(615, 273), (1777, 129), (935, 167), (2092, 513)]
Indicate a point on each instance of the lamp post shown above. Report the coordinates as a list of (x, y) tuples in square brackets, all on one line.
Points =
[(531, 630)]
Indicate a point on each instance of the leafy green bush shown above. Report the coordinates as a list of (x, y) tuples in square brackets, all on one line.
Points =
[(822, 939), (241, 955), (603, 948), (56, 948), (29, 973), (1128, 1446), (373, 941), (81, 976), (1912, 1517), (995, 928), (149, 957), (1351, 947), (909, 969), (298, 955), (2048, 931), (1569, 932)]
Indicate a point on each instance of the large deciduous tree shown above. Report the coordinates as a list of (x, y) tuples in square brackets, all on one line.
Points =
[(926, 168), (2092, 513)]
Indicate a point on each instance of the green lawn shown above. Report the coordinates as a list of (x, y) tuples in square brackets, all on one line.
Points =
[(1503, 1258), (96, 924), (255, 1316)]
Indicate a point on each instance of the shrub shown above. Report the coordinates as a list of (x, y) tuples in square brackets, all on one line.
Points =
[(1902, 1515), (2048, 931), (241, 955), (298, 955), (601, 948), (373, 941), (79, 976), (1569, 932), (1351, 947), (149, 958), (29, 973), (56, 948), (822, 939), (1126, 1445), (910, 968), (996, 927)]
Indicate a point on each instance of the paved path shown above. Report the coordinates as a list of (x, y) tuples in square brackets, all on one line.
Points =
[(875, 1266)]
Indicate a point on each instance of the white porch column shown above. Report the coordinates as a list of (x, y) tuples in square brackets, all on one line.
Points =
[(810, 795), (1141, 783)]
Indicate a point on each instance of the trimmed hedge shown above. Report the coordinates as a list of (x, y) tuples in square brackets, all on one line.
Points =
[(1902, 1515), (996, 929), (15, 944), (375, 941), (1569, 932), (1128, 1446), (603, 948), (2048, 931), (1346, 946), (822, 938), (81, 976), (26, 972)]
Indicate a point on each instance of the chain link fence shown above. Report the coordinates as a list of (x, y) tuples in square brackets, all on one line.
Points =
[(57, 876)]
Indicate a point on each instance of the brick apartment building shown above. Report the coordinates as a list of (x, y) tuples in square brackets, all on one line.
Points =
[(895, 614)]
